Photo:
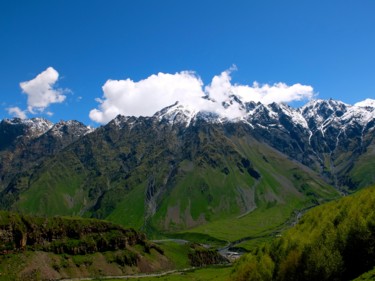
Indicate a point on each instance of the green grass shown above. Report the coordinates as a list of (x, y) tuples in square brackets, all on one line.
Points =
[(54, 193), (364, 170), (203, 193), (198, 238), (251, 244), (130, 211), (258, 223), (283, 189), (177, 253)]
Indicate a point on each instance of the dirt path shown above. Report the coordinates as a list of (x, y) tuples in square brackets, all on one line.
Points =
[(178, 241), (141, 275)]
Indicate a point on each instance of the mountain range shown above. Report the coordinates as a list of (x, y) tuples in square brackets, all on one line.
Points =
[(181, 169)]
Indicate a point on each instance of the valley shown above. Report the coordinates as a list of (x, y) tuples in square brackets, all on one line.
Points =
[(193, 176)]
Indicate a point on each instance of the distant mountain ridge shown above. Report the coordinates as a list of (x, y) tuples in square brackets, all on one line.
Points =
[(182, 168), (316, 134)]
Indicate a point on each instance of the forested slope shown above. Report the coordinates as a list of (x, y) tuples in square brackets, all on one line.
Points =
[(335, 241)]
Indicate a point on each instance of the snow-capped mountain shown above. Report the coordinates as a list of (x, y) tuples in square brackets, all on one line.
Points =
[(71, 127), (244, 152), (325, 135), (321, 114), (317, 134), (315, 115), (26, 143), (30, 128), (370, 103), (36, 127)]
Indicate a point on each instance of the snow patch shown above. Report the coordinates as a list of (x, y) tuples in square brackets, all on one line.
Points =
[(366, 103)]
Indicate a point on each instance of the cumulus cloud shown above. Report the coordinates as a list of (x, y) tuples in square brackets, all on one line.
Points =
[(17, 112), (278, 92), (145, 97), (40, 91)]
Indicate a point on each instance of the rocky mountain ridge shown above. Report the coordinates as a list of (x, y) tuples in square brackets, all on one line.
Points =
[(24, 143), (310, 134), (182, 168), (316, 134)]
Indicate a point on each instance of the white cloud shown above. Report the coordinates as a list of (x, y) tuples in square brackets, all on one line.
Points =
[(280, 92), (17, 112), (145, 97), (40, 91)]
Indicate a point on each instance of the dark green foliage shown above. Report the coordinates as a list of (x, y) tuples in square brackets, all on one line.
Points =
[(335, 241), (256, 266), (201, 256), (80, 260)]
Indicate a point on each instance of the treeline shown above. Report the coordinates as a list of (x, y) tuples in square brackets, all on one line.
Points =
[(335, 241)]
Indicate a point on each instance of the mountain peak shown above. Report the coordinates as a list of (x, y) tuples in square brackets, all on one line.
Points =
[(34, 127), (320, 103), (370, 103), (319, 111), (186, 115), (72, 126)]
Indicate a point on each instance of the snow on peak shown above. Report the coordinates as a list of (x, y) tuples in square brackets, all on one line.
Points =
[(34, 127), (366, 103), (295, 115), (177, 113), (71, 126), (322, 110), (315, 115)]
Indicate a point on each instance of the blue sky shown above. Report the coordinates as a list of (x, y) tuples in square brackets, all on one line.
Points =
[(328, 45)]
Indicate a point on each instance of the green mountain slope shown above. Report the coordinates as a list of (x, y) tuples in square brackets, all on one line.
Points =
[(151, 175), (362, 173), (335, 241)]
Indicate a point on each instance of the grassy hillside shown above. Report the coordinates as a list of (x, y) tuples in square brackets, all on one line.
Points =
[(37, 248), (283, 188), (363, 172), (34, 248), (209, 179), (335, 241)]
